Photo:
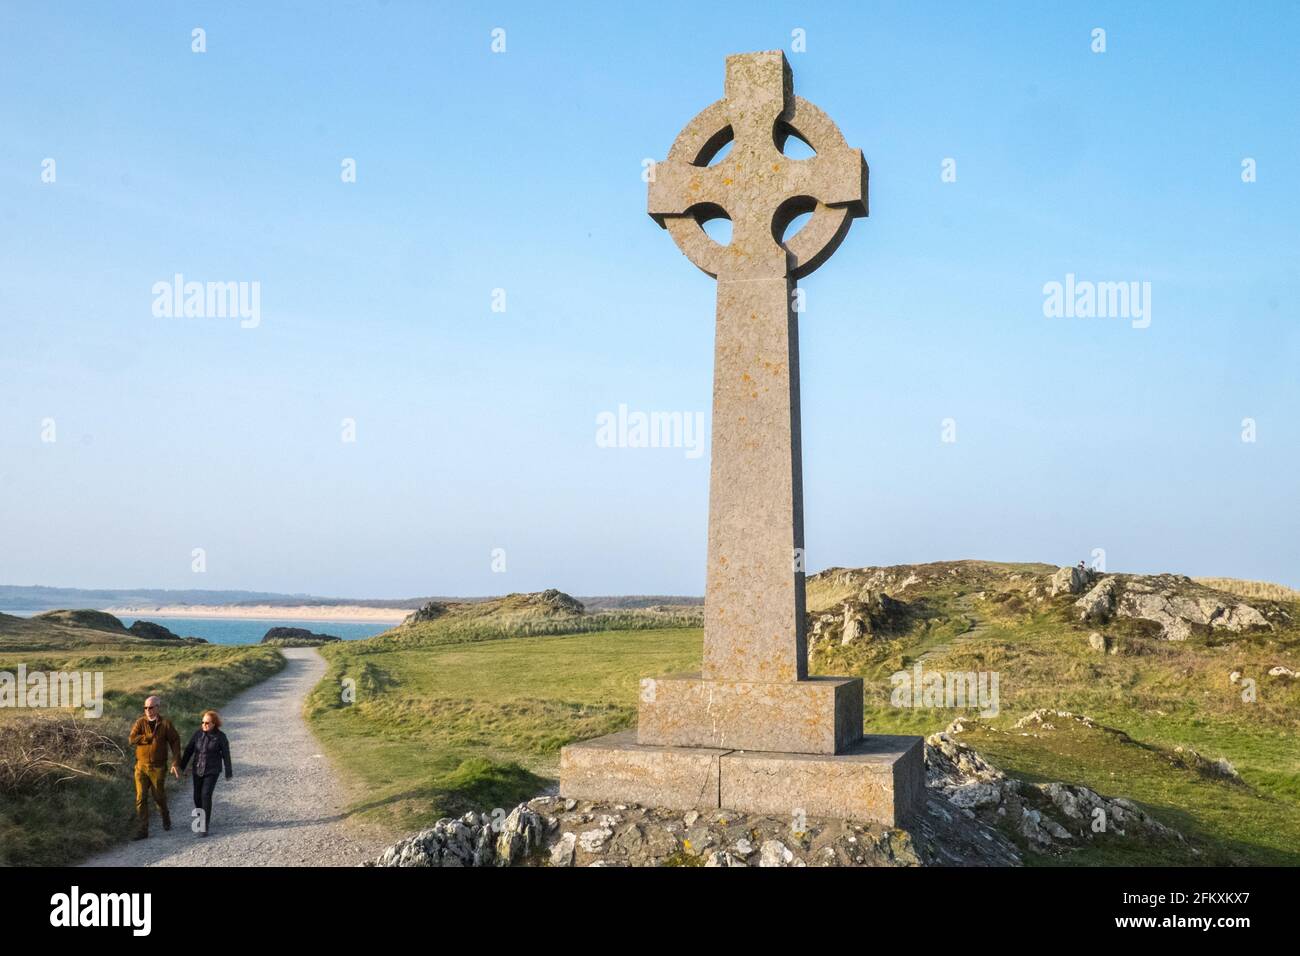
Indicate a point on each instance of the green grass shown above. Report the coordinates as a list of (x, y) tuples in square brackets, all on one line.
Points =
[(437, 729), (61, 823), (473, 628), (1230, 823)]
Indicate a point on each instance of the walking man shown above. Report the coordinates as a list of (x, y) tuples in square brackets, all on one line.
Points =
[(153, 736)]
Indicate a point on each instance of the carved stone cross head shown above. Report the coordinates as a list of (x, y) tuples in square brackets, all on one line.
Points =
[(756, 186)]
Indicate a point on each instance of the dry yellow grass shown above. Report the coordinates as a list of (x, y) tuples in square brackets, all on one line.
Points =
[(1251, 589)]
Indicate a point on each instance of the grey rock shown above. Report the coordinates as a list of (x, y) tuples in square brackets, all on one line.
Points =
[(1170, 602), (722, 858), (1069, 581), (1099, 604), (592, 840), (975, 795), (298, 636), (775, 853), (522, 831), (562, 851)]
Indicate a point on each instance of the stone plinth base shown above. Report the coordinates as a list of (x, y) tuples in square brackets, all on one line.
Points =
[(880, 779), (820, 715), (616, 769)]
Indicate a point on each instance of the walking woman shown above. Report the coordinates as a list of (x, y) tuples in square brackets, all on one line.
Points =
[(211, 751)]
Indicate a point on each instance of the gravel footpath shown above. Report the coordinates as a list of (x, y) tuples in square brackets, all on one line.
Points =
[(285, 804)]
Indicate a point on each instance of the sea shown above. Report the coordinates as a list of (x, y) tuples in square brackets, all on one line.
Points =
[(251, 630)]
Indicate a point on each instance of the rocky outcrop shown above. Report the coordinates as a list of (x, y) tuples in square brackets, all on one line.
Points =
[(105, 622), (552, 831), (96, 620), (555, 602), (1097, 606), (516, 607), (152, 632), (1070, 581), (871, 613), (430, 612), (1176, 612), (1052, 818), (296, 637), (870, 579), (475, 839), (1177, 605)]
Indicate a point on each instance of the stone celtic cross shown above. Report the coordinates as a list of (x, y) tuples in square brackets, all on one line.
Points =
[(751, 731), (754, 593)]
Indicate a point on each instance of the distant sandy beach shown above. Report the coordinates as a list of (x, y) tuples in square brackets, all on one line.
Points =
[(267, 612)]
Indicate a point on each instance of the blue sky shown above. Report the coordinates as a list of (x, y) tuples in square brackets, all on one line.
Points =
[(521, 171)]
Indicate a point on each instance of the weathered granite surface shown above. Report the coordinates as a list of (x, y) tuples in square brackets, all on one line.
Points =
[(880, 779), (617, 768), (754, 594), (820, 715)]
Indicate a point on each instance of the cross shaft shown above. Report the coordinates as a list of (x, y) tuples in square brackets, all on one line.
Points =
[(754, 593)]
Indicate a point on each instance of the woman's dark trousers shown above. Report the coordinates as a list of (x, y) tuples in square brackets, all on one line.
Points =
[(203, 787)]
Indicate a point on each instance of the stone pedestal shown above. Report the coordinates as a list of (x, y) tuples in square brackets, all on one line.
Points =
[(617, 769), (822, 715), (880, 779), (777, 748)]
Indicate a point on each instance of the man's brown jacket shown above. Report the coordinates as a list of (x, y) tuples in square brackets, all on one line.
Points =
[(151, 744)]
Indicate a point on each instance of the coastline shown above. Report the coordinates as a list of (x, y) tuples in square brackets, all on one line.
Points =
[(344, 613)]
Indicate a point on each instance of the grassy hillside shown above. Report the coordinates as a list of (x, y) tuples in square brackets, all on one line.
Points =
[(63, 629), (978, 616), (66, 789), (457, 713)]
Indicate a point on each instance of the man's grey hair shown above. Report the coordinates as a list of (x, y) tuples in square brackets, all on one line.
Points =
[(154, 698)]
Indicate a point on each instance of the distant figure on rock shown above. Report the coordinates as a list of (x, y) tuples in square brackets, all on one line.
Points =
[(211, 752), (153, 736)]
